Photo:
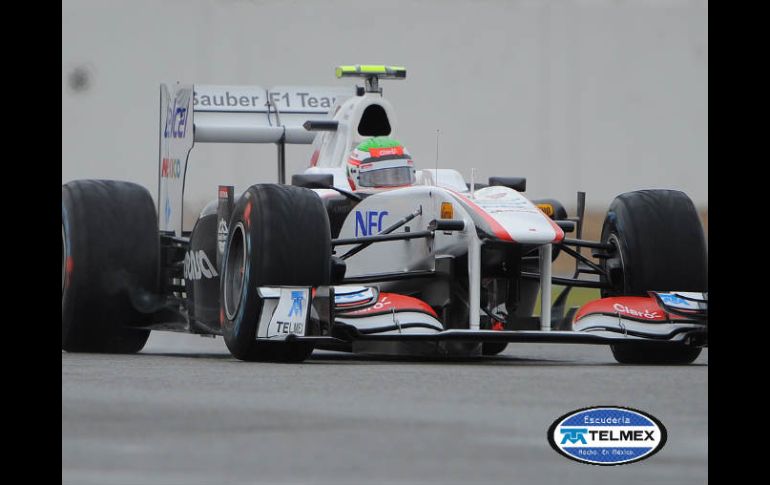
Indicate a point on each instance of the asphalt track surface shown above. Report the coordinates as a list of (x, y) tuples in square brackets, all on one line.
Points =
[(184, 412)]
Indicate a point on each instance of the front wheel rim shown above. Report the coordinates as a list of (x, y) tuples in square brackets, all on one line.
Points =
[(618, 283)]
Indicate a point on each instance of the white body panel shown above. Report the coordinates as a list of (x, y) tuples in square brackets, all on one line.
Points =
[(520, 218), (429, 324), (334, 147), (442, 177), (284, 312), (604, 323), (381, 210)]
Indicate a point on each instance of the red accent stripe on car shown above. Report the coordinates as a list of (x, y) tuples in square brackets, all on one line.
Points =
[(636, 307), (558, 230), (498, 230), (388, 302)]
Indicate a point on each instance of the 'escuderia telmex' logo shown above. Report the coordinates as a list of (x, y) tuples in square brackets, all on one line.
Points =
[(607, 435)]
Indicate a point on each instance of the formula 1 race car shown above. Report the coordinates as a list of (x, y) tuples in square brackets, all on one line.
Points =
[(362, 252)]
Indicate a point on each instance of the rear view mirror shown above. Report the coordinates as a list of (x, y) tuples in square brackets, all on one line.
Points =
[(313, 180), (516, 183)]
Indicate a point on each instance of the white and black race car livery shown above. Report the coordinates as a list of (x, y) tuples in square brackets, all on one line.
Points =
[(432, 266)]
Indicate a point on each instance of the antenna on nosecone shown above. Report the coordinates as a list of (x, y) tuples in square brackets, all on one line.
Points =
[(435, 174)]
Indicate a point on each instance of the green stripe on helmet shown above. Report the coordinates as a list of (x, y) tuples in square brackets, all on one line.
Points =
[(378, 142)]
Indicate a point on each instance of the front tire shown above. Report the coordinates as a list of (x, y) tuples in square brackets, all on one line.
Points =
[(279, 236), (110, 263), (654, 354), (659, 246), (493, 348)]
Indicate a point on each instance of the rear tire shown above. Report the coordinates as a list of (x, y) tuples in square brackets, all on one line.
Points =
[(110, 262), (660, 246), (279, 236)]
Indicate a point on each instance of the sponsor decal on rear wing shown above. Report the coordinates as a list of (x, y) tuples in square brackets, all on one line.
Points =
[(253, 99), (253, 114), (176, 141), (192, 114)]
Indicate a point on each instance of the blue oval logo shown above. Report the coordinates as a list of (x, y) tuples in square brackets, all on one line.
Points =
[(607, 435)]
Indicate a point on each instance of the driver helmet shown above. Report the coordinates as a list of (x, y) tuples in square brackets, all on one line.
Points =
[(380, 162)]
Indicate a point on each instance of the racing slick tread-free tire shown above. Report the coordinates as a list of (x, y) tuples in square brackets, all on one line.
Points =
[(110, 263), (660, 247), (279, 236)]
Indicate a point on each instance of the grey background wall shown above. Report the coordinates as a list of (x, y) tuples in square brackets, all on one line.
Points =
[(595, 95)]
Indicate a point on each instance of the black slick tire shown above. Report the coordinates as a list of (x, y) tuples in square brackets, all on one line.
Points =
[(110, 263), (279, 236), (660, 246)]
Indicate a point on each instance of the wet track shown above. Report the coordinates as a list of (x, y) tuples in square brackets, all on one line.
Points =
[(184, 412)]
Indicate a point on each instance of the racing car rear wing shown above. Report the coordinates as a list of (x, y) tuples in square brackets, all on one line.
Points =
[(230, 114), (252, 114)]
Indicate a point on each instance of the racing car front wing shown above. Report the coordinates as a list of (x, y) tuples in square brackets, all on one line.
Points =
[(694, 335), (691, 335), (326, 326)]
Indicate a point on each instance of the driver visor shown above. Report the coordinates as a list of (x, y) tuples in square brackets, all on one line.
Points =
[(390, 173)]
